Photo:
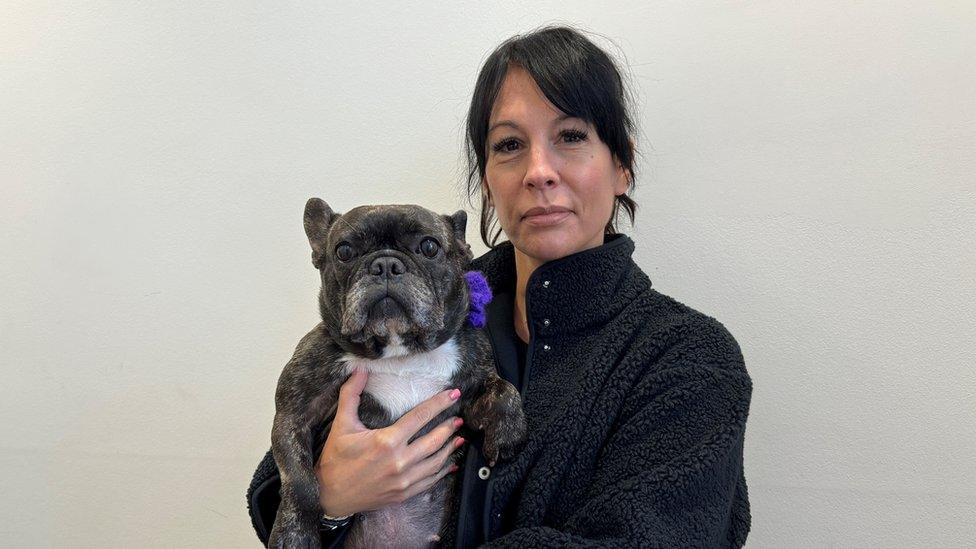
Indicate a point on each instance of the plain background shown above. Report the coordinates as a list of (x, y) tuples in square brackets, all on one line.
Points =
[(806, 177)]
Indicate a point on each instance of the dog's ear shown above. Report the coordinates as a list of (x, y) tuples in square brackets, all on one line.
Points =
[(318, 218), (457, 223)]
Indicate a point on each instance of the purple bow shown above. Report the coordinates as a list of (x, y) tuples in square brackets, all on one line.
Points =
[(480, 296)]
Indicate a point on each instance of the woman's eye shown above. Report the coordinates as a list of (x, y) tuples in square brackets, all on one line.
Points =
[(505, 145), (429, 247), (574, 136), (344, 251), (512, 145)]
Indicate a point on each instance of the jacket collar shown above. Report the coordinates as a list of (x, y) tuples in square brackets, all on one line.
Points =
[(572, 293)]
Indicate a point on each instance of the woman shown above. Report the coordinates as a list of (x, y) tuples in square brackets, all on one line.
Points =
[(636, 404)]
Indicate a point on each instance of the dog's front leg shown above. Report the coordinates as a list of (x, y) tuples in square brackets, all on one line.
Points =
[(296, 525), (498, 412)]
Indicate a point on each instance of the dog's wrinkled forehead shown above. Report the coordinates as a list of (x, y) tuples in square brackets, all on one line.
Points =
[(389, 226)]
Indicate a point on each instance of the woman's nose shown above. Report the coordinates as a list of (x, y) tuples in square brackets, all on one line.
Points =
[(541, 172)]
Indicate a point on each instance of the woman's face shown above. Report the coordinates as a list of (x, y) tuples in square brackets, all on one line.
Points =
[(542, 162)]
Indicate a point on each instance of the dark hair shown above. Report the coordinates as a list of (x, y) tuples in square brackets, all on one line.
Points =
[(579, 78)]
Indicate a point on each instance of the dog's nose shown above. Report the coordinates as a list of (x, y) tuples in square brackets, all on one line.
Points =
[(387, 267)]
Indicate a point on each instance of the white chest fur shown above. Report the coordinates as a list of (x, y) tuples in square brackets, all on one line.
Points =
[(400, 381)]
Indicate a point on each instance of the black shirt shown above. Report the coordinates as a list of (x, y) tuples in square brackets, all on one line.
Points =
[(509, 350)]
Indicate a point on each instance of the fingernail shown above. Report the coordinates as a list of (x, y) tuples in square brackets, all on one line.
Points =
[(458, 442), (455, 394), (458, 422), (453, 468)]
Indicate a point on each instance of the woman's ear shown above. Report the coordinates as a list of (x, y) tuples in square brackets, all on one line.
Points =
[(625, 174), (485, 194), (623, 180)]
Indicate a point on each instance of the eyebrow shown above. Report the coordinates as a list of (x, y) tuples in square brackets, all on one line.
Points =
[(512, 124)]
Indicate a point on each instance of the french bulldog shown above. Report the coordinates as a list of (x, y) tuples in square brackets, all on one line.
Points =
[(395, 301)]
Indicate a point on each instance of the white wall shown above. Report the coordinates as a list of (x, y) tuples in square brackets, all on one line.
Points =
[(807, 178)]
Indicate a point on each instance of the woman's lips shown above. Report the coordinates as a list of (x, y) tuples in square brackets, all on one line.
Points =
[(546, 219)]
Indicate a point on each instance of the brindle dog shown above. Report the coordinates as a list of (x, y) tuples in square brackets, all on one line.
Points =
[(393, 300)]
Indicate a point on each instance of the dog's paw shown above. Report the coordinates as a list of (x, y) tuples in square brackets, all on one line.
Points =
[(294, 539), (503, 439)]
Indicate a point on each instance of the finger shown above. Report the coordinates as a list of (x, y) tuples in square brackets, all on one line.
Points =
[(429, 481), (422, 414), (436, 461), (347, 409), (431, 442)]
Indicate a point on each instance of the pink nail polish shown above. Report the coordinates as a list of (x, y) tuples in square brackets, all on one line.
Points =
[(455, 394), (458, 422)]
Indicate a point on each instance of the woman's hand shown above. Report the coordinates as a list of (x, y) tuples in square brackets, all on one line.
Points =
[(362, 469)]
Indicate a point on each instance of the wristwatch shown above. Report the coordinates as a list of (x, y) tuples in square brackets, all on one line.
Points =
[(327, 522)]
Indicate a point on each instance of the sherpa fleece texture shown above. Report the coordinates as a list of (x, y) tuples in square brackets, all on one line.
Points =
[(636, 407)]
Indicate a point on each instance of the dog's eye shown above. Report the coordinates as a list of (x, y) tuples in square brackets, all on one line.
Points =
[(429, 247), (344, 251)]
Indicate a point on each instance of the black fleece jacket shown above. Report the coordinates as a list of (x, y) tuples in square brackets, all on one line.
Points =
[(636, 407)]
